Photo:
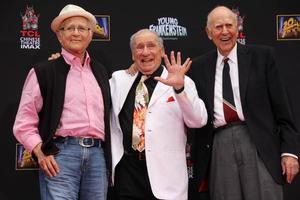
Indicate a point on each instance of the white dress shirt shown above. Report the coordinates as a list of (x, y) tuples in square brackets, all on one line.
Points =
[(219, 119)]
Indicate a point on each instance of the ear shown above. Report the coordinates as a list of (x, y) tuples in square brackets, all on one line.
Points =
[(208, 32), (91, 35), (237, 30), (162, 52), (58, 35)]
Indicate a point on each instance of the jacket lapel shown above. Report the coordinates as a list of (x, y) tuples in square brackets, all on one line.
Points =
[(160, 89), (244, 59), (125, 86), (211, 71), (102, 79)]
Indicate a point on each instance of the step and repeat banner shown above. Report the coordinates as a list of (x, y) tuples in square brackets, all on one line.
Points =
[(26, 38)]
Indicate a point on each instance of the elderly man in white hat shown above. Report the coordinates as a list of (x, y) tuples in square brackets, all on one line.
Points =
[(63, 116)]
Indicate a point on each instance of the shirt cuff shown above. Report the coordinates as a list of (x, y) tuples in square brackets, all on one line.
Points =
[(179, 91)]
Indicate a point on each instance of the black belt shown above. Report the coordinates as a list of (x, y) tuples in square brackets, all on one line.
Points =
[(82, 141), (136, 155), (231, 124)]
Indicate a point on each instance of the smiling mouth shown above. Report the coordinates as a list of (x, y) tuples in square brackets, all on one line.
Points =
[(225, 39), (147, 60), (76, 40)]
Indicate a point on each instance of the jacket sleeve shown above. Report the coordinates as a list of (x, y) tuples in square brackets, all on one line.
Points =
[(193, 108)]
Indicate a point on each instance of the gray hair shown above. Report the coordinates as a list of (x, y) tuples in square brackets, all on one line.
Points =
[(133, 37), (209, 20)]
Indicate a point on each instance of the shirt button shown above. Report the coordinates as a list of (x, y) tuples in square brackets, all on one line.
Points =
[(207, 146)]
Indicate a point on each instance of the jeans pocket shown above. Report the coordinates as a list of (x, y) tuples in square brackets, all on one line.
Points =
[(60, 146)]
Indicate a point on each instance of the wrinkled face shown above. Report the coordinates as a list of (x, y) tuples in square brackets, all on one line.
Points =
[(222, 29), (147, 52), (75, 35)]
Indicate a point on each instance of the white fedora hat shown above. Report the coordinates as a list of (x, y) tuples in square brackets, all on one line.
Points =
[(71, 10)]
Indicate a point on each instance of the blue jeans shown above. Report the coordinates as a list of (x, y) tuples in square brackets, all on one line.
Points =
[(82, 174)]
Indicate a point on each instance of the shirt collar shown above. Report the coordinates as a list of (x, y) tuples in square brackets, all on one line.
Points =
[(158, 72), (73, 60), (232, 56)]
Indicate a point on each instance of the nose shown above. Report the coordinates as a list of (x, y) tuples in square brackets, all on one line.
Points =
[(76, 31), (224, 29), (145, 50)]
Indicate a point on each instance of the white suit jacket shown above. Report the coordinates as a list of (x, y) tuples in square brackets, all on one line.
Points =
[(165, 132)]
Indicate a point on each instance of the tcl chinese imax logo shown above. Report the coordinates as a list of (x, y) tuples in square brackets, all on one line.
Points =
[(30, 37)]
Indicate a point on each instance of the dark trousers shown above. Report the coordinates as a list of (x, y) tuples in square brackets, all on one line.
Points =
[(131, 179), (237, 172)]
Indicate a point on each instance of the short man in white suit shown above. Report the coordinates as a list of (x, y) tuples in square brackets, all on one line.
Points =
[(158, 169)]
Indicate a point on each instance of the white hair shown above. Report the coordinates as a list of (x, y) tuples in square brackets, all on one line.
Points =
[(209, 16), (133, 37)]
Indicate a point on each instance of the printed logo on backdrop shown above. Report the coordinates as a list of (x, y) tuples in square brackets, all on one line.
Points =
[(288, 27), (102, 31), (189, 161), (240, 19), (29, 35), (24, 161), (169, 28)]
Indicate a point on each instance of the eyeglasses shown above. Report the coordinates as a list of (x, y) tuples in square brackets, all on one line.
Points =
[(149, 46), (71, 29)]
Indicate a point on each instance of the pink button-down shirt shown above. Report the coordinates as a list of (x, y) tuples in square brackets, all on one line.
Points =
[(83, 110)]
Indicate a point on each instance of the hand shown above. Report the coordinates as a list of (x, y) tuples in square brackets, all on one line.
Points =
[(290, 167), (176, 71), (46, 163), (132, 70), (54, 56)]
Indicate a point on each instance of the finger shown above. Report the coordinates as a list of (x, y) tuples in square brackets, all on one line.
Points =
[(54, 164), (172, 56), (50, 166), (131, 70), (51, 57), (164, 81), (289, 173), (166, 59), (54, 56), (294, 171), (292, 178), (186, 62), (44, 167), (179, 58), (283, 168), (187, 65), (289, 177), (51, 169)]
